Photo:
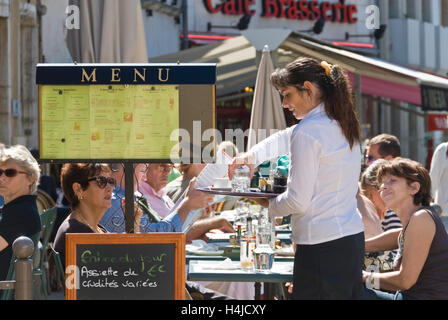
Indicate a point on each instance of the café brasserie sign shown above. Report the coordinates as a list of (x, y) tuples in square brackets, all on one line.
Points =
[(287, 9)]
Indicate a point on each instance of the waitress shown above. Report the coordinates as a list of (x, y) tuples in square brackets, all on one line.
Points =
[(323, 179)]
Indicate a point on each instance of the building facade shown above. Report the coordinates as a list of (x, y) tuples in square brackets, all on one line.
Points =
[(416, 36)]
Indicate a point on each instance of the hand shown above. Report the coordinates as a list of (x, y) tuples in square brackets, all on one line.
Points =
[(195, 199), (247, 159), (138, 213), (226, 226), (290, 287), (209, 211), (261, 201), (365, 276)]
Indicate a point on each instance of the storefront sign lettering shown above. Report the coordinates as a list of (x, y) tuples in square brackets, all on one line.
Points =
[(139, 76), (437, 122), (288, 9)]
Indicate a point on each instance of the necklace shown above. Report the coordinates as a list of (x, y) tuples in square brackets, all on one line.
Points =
[(83, 220)]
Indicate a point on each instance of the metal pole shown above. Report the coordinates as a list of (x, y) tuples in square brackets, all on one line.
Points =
[(23, 249), (184, 25), (358, 100), (129, 215)]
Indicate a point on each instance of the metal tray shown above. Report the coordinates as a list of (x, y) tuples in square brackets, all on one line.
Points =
[(253, 193)]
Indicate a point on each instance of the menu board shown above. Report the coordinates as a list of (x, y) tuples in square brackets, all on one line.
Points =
[(109, 121), (125, 112), (125, 267)]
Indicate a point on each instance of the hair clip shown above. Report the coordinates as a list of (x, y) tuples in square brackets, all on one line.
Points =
[(327, 67)]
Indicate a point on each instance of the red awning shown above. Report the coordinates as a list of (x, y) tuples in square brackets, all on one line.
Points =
[(388, 89)]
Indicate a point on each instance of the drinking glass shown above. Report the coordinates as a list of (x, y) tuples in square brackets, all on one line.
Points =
[(247, 247), (241, 180)]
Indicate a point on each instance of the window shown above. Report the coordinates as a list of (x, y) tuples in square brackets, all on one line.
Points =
[(394, 9), (411, 8), (444, 13), (426, 9)]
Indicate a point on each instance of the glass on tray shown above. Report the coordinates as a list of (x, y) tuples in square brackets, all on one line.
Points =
[(241, 180)]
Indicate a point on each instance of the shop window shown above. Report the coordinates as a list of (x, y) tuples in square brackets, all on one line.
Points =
[(427, 12), (394, 9), (444, 13), (411, 9)]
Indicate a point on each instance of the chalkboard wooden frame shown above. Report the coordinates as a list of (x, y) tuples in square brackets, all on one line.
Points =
[(178, 239)]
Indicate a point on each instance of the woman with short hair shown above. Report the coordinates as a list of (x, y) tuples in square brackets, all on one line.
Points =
[(88, 188), (19, 176), (421, 265)]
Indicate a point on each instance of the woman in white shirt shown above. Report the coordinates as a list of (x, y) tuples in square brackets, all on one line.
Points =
[(439, 176), (323, 179)]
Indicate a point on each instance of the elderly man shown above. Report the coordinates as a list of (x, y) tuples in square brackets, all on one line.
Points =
[(151, 220), (153, 188), (113, 219), (153, 185)]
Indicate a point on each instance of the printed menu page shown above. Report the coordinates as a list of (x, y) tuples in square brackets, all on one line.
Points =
[(108, 122)]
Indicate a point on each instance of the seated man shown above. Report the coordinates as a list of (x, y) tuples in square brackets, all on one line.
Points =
[(113, 219), (152, 186)]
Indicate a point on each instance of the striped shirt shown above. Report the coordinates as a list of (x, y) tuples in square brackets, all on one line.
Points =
[(391, 221)]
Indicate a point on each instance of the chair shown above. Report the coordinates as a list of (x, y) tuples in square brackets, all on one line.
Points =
[(47, 218), (58, 264), (44, 201)]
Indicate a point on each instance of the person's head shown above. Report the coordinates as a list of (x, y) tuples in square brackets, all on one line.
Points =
[(157, 175), (19, 172), (118, 173), (369, 184), (191, 170), (403, 180), (383, 146), (87, 184), (307, 82)]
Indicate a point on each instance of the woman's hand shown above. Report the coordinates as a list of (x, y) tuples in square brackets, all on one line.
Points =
[(261, 201), (195, 199), (365, 275), (138, 213), (247, 159)]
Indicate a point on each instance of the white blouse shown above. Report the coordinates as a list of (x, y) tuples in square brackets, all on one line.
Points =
[(323, 179), (439, 177)]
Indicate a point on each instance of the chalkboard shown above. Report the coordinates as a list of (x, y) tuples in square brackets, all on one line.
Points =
[(125, 266)]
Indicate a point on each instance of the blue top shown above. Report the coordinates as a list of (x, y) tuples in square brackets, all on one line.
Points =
[(113, 219)]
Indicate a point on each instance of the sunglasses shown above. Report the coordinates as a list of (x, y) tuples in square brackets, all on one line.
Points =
[(370, 158), (103, 181), (10, 173)]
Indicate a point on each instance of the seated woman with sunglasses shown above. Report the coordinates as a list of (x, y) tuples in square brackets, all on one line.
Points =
[(88, 188), (19, 176)]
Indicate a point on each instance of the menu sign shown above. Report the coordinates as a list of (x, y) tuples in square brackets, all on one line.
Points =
[(109, 122), (94, 112), (125, 267)]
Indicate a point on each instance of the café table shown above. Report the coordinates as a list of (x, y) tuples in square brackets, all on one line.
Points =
[(231, 271)]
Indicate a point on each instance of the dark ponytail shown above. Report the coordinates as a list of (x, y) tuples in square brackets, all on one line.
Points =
[(335, 89)]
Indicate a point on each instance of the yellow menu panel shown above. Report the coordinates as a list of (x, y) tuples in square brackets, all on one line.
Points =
[(108, 121)]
